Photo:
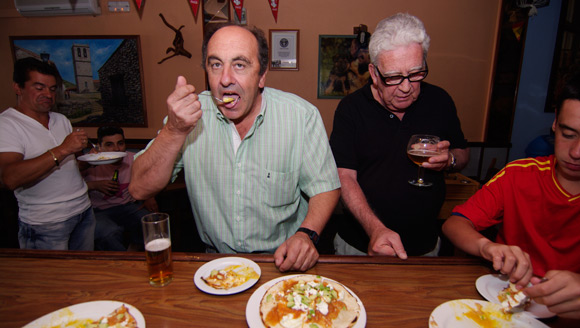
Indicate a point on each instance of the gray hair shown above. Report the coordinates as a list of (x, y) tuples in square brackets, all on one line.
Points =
[(398, 30)]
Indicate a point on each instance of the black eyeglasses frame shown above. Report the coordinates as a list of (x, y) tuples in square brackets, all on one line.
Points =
[(403, 77)]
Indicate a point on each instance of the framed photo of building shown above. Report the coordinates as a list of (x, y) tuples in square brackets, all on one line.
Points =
[(342, 65), (102, 76)]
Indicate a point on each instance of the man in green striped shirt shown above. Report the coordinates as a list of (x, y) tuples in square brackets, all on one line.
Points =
[(258, 167)]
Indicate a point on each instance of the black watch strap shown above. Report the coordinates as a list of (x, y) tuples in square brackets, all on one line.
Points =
[(311, 234)]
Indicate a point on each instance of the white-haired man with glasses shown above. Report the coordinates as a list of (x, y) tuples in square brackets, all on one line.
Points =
[(384, 214)]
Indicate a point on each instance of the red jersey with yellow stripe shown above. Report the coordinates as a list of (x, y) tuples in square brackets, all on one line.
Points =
[(538, 215)]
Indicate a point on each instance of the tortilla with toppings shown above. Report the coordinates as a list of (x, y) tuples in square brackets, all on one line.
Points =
[(512, 298), (308, 301), (118, 318), (230, 277)]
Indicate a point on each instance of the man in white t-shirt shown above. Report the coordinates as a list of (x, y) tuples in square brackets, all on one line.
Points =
[(37, 161)]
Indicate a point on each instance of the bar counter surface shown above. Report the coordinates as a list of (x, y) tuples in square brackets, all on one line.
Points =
[(395, 293)]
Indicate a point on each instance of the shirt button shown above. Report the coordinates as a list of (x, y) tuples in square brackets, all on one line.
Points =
[(392, 115), (238, 192), (239, 164), (238, 218), (239, 243)]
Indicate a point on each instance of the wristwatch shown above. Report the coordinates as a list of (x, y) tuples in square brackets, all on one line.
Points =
[(311, 234), (453, 162)]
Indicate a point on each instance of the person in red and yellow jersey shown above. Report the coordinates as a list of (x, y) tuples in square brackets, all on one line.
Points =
[(536, 204)]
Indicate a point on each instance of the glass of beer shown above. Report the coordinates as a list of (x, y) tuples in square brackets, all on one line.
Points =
[(158, 248), (420, 148)]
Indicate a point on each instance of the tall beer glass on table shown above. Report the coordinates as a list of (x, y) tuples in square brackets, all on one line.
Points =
[(157, 236)]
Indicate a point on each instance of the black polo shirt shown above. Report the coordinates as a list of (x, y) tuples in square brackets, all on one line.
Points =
[(368, 138)]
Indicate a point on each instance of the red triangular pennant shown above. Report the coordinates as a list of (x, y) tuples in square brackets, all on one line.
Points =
[(194, 7), (238, 5), (274, 7), (138, 4)]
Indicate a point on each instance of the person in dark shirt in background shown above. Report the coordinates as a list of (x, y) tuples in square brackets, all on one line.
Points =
[(385, 215)]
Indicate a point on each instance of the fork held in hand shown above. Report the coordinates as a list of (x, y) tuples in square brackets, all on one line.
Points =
[(221, 101)]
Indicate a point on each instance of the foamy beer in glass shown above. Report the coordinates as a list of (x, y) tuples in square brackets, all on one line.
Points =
[(158, 248)]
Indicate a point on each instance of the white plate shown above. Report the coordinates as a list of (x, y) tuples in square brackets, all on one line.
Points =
[(451, 314), (254, 319), (89, 310), (219, 264), (490, 285), (106, 157)]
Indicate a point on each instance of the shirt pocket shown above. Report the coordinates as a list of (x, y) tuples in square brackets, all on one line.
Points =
[(279, 188)]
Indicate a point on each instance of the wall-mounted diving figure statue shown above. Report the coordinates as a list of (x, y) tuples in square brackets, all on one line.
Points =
[(178, 49)]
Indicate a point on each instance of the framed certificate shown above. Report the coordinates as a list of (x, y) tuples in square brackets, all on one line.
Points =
[(284, 49)]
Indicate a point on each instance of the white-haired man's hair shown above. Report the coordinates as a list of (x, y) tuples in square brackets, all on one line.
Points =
[(398, 30)]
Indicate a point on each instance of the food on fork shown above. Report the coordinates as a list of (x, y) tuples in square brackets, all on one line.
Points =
[(308, 301), (230, 277), (513, 299), (227, 99)]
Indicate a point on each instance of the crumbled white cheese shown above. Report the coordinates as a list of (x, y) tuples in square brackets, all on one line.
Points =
[(520, 296), (311, 291), (340, 295), (506, 304), (322, 307), (298, 305), (516, 298), (288, 321)]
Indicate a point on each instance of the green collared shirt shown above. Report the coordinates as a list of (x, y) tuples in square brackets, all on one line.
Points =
[(254, 199)]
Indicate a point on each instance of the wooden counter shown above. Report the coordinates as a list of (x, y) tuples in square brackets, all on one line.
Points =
[(395, 293)]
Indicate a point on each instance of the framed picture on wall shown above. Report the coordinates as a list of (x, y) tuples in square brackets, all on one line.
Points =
[(342, 65), (102, 76), (216, 11), (284, 49)]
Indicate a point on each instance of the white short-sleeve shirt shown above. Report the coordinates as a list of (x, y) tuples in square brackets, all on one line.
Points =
[(62, 193)]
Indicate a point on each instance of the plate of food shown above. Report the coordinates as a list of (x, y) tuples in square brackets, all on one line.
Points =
[(99, 314), (227, 276), (477, 314), (496, 289), (304, 300), (106, 157)]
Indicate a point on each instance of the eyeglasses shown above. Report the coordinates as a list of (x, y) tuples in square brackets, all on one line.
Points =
[(398, 79)]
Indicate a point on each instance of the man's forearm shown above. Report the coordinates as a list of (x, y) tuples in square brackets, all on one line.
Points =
[(17, 172), (463, 235), (356, 202), (320, 208), (152, 170)]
